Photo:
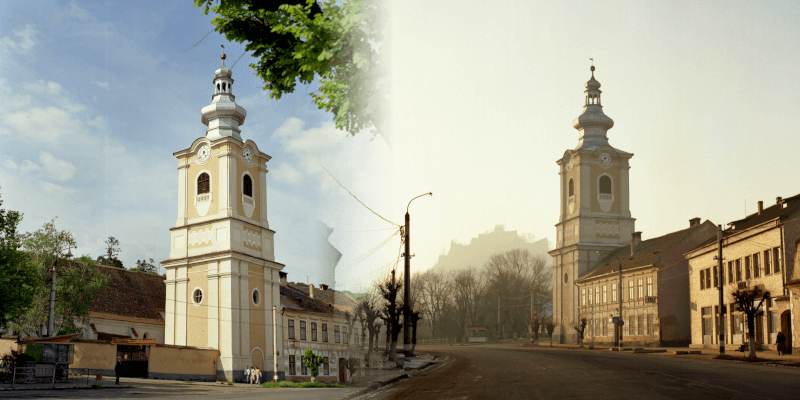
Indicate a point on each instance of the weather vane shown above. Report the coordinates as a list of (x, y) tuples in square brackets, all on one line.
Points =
[(589, 58)]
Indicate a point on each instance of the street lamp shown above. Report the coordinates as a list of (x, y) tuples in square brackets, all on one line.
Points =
[(51, 312), (620, 322), (407, 282)]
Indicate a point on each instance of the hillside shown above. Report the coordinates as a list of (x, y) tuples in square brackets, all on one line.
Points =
[(479, 249)]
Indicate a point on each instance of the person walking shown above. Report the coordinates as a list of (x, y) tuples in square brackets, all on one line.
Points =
[(117, 368), (247, 373), (781, 339), (257, 376)]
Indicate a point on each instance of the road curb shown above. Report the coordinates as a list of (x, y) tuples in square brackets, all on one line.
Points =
[(389, 382), (64, 388)]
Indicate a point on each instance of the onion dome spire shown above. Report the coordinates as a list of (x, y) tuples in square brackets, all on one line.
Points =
[(593, 124), (223, 116)]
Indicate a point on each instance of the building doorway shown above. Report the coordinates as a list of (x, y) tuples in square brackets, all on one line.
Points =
[(134, 360), (257, 359), (786, 328), (759, 338), (342, 371)]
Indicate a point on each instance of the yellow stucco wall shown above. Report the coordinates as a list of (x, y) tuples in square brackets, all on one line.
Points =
[(257, 321), (7, 344), (612, 171), (197, 315), (173, 360), (94, 356)]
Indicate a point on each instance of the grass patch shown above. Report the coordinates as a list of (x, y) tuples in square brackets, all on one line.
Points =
[(302, 384), (97, 387)]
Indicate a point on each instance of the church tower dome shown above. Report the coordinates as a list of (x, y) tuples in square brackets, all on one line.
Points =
[(223, 116), (593, 124)]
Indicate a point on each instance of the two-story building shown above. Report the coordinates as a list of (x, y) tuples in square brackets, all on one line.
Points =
[(652, 289), (754, 254)]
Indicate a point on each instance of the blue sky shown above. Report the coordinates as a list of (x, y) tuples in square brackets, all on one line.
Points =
[(96, 96)]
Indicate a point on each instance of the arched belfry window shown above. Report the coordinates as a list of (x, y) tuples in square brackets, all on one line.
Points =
[(571, 188), (605, 185), (203, 183), (247, 186)]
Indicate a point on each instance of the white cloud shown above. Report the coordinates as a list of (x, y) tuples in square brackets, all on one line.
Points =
[(78, 12), (42, 124), (23, 40), (28, 166), (60, 169), (10, 165), (103, 85), (54, 191), (98, 122), (311, 141), (286, 174), (39, 87)]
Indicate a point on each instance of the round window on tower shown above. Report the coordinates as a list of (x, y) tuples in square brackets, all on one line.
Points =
[(256, 297), (566, 278), (197, 296)]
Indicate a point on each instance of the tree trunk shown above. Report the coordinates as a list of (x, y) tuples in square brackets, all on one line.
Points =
[(751, 334), (413, 339), (393, 351)]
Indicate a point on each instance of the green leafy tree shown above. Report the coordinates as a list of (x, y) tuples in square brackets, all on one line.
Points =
[(112, 251), (146, 266), (302, 41), (312, 362), (78, 282), (17, 274)]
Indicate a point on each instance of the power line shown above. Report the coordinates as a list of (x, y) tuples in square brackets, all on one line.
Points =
[(354, 196)]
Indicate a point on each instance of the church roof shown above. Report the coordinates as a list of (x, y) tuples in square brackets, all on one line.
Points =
[(131, 294), (648, 252), (292, 298)]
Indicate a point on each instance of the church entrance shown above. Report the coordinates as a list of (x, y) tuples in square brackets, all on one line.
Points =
[(257, 360)]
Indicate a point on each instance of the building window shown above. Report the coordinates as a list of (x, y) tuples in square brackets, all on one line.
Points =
[(591, 328), (336, 333), (203, 183), (747, 268), (756, 266), (776, 256), (650, 324), (303, 367), (640, 325), (302, 330), (605, 328), (326, 366), (614, 292), (256, 297), (324, 332), (291, 329), (722, 275), (247, 186), (571, 188), (716, 277), (706, 315), (197, 296), (630, 289), (650, 286), (566, 278), (737, 324), (292, 365), (313, 331), (605, 298), (730, 272), (605, 184), (641, 289), (345, 338), (738, 270), (708, 278), (773, 324), (767, 262), (583, 296), (597, 295), (631, 324), (702, 279)]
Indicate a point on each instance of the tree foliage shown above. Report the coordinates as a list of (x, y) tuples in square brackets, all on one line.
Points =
[(312, 361), (17, 273), (146, 266), (112, 251), (300, 41), (78, 281), (745, 301)]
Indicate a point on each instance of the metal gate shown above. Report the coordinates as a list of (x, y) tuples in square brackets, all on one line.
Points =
[(134, 360)]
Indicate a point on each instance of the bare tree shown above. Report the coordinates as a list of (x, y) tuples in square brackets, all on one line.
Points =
[(513, 275), (467, 295), (391, 311), (581, 329), (434, 289), (745, 301), (534, 325), (551, 326)]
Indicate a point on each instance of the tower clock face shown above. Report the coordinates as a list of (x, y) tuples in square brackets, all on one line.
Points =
[(204, 153), (605, 159), (247, 155)]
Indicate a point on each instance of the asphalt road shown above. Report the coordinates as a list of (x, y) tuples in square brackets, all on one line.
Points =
[(194, 392), (507, 372)]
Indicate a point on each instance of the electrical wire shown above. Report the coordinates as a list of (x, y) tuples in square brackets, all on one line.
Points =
[(354, 196)]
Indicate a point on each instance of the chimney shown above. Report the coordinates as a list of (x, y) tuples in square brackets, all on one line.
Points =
[(311, 290), (636, 238), (692, 222), (283, 278), (778, 200), (760, 207), (323, 286)]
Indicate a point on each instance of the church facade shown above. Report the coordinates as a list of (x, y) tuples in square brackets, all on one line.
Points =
[(222, 278), (595, 217)]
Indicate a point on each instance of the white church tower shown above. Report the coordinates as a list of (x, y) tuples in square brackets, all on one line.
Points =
[(222, 278), (595, 210)]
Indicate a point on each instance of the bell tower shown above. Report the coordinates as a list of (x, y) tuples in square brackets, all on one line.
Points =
[(594, 214), (222, 278)]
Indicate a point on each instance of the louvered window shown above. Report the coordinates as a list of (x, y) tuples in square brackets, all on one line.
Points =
[(203, 183)]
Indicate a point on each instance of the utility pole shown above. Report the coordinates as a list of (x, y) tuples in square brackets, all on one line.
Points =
[(620, 322), (721, 322), (51, 312), (275, 352), (407, 279)]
